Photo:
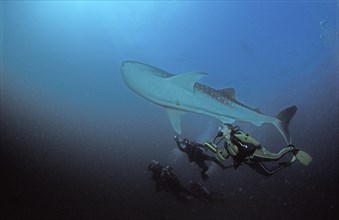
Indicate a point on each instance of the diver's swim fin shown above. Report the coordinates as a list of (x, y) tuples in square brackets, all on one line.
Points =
[(303, 157)]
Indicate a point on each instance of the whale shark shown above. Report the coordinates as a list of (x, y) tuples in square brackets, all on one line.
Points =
[(182, 93)]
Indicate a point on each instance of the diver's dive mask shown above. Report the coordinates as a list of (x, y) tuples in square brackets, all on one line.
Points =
[(223, 131), (185, 141), (222, 128), (220, 134)]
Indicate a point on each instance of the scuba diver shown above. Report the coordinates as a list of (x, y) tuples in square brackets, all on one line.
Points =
[(245, 149), (195, 154), (202, 193), (166, 180)]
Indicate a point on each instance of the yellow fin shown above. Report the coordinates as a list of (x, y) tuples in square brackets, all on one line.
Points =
[(303, 157)]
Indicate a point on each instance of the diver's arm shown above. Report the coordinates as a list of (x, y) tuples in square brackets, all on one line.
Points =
[(199, 145), (178, 143)]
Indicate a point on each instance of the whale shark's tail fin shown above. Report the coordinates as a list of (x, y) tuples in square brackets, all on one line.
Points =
[(282, 124)]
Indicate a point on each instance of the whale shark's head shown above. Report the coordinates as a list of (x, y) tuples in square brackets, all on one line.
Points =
[(130, 73), (140, 77)]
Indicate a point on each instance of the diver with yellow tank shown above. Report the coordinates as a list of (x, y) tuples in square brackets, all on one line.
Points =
[(245, 149)]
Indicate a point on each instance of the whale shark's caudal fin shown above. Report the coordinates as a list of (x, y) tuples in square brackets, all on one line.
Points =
[(282, 124)]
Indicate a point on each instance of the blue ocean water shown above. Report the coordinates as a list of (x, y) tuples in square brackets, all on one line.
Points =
[(76, 141)]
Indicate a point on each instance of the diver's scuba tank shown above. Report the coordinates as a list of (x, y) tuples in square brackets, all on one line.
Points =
[(245, 138), (222, 154)]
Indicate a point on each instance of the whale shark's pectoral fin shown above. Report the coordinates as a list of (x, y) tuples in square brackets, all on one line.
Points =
[(175, 118), (186, 80)]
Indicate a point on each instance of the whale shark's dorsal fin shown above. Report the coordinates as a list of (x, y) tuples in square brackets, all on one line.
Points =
[(175, 118), (228, 93), (186, 80)]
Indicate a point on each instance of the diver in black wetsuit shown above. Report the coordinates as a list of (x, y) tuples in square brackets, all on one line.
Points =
[(195, 154), (166, 180)]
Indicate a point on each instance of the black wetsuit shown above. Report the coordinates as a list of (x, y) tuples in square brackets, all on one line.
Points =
[(166, 180), (196, 154)]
